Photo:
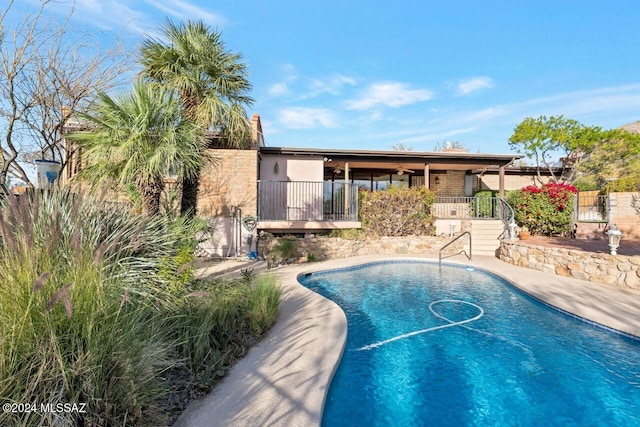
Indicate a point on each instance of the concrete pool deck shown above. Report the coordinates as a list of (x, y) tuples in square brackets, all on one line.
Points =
[(283, 380)]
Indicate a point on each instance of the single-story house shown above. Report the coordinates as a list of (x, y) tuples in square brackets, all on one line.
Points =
[(306, 190)]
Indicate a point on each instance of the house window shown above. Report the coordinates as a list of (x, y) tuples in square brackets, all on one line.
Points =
[(362, 180), (400, 181), (375, 180), (380, 181)]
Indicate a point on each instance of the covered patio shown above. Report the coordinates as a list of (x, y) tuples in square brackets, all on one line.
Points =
[(307, 189)]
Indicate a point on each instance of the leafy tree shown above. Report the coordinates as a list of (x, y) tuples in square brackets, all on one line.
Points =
[(401, 146), (542, 139), (137, 138), (211, 81), (617, 157), (47, 71)]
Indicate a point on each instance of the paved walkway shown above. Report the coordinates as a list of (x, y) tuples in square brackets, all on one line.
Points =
[(284, 379)]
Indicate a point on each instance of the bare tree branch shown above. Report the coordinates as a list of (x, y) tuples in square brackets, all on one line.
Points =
[(48, 71)]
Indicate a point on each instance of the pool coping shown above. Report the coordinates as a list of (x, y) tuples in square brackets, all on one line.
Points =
[(284, 379)]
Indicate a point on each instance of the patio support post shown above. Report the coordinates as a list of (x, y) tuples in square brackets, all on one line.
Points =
[(501, 182), (426, 176), (346, 190)]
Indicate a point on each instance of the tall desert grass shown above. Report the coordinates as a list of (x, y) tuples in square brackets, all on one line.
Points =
[(95, 307)]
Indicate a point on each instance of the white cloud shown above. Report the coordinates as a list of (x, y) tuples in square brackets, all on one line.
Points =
[(438, 136), (111, 14), (301, 88), (467, 87), (279, 89), (307, 118), (288, 74), (391, 94), (575, 104), (332, 85), (484, 115), (609, 107), (184, 10)]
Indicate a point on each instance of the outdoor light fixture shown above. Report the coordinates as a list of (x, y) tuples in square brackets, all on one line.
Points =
[(452, 228), (512, 229), (614, 239), (437, 180), (276, 168)]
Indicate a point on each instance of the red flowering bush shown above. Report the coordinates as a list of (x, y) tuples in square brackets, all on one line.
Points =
[(546, 210)]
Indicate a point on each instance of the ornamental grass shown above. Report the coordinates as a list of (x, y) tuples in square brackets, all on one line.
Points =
[(98, 305)]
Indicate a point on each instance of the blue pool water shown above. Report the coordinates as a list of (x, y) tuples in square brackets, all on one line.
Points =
[(457, 347)]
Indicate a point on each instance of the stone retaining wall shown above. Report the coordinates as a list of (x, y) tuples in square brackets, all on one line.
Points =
[(616, 270), (323, 248)]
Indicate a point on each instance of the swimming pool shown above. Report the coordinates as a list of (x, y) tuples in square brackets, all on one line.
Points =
[(449, 346)]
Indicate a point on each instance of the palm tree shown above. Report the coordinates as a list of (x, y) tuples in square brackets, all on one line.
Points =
[(211, 82), (137, 138)]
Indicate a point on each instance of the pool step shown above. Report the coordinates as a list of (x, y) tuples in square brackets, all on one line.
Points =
[(485, 235)]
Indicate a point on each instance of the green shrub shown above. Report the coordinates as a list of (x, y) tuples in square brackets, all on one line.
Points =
[(483, 205), (216, 322), (627, 184), (546, 210), (284, 248), (93, 309), (178, 268), (397, 212), (587, 183)]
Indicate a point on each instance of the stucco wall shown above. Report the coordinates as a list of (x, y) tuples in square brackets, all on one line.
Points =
[(291, 168), (511, 182), (222, 242)]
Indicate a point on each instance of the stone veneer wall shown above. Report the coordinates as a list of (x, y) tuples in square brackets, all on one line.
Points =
[(619, 270), (450, 183), (324, 248), (229, 180)]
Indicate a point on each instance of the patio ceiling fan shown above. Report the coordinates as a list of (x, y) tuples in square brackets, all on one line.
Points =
[(402, 170)]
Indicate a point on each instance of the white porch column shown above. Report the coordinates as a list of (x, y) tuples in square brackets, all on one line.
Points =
[(501, 182), (426, 176), (346, 189)]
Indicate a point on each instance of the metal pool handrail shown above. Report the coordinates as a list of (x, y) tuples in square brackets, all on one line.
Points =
[(462, 251)]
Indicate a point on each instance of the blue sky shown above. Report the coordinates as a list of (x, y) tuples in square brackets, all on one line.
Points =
[(370, 74)]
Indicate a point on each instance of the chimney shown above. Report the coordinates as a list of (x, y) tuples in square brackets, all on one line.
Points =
[(257, 137)]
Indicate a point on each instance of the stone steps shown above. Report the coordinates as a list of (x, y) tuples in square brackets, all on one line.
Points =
[(485, 236)]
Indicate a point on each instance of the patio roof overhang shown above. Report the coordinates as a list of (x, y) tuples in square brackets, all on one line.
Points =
[(369, 159)]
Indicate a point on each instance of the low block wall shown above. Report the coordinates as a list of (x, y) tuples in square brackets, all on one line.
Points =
[(619, 270), (324, 248), (624, 214)]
